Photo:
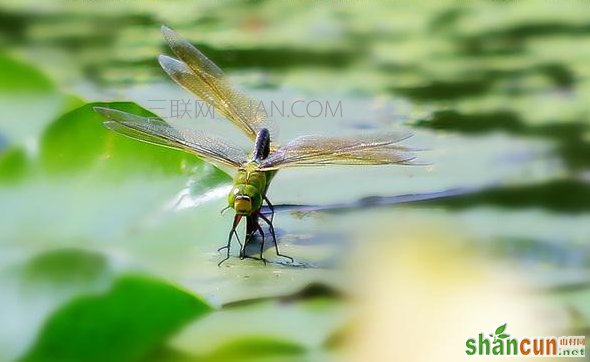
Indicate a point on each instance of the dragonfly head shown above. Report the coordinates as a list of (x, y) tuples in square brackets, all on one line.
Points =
[(243, 204), (245, 199)]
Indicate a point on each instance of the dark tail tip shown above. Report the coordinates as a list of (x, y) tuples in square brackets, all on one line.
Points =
[(262, 145)]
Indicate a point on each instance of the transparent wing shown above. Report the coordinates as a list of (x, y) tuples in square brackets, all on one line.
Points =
[(190, 55), (196, 73), (378, 149), (158, 132)]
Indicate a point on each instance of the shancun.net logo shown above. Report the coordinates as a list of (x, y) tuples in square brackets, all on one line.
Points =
[(501, 343)]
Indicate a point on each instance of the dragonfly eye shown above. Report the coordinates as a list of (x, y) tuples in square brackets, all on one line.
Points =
[(243, 204)]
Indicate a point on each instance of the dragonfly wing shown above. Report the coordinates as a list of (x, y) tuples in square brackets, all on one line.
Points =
[(378, 149), (190, 55), (159, 132), (196, 73)]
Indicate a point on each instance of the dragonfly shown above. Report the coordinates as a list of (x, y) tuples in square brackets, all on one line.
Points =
[(254, 171)]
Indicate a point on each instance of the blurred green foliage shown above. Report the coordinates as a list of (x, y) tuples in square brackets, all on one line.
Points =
[(125, 324), (78, 141), (21, 77)]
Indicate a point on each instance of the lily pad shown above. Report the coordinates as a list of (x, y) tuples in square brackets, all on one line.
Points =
[(28, 100), (78, 142), (18, 76), (267, 323), (125, 324), (84, 170), (240, 350), (31, 291)]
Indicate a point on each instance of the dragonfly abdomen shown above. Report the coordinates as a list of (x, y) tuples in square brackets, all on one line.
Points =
[(262, 145)]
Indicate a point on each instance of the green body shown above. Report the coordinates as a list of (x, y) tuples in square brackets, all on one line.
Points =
[(252, 184)]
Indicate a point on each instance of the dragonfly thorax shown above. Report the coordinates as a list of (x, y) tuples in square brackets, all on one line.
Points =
[(247, 191)]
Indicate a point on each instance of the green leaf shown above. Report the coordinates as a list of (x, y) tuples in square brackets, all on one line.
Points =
[(503, 336), (78, 141), (64, 267), (126, 324), (19, 76), (218, 331), (254, 348), (500, 329), (104, 182), (14, 164), (28, 100), (34, 289)]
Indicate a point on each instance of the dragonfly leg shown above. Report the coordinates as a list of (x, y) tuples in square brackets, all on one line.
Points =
[(274, 237), (243, 249), (237, 219), (271, 207), (250, 230), (237, 238), (262, 243), (253, 226)]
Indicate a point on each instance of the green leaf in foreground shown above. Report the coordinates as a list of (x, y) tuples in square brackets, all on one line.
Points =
[(280, 327), (33, 290), (13, 165), (128, 323), (254, 348)]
